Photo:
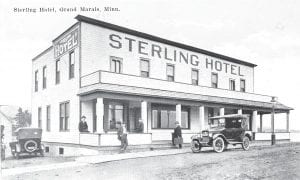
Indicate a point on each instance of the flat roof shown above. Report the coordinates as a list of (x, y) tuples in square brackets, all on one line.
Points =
[(159, 39)]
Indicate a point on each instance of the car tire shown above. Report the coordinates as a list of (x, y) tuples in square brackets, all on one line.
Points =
[(246, 143), (218, 144), (32, 148), (195, 146)]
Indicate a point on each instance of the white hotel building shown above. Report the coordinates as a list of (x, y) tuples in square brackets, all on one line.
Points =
[(110, 73)]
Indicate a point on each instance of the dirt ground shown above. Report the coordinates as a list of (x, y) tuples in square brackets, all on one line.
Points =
[(27, 160), (266, 162)]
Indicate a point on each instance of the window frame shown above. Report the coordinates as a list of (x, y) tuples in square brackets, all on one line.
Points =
[(71, 66), (40, 117), (57, 71), (48, 118), (197, 80), (232, 88), (44, 77), (63, 127), (244, 85), (36, 81), (115, 59), (141, 71), (169, 108), (217, 80), (167, 76)]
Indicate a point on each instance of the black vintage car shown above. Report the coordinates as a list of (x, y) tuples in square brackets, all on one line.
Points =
[(28, 142), (224, 130)]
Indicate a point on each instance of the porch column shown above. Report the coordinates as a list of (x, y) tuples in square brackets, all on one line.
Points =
[(201, 117), (288, 121), (240, 111), (178, 113), (144, 114), (99, 114), (261, 123), (222, 111), (254, 115)]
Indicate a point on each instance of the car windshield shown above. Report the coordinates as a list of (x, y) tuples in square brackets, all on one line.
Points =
[(217, 123)]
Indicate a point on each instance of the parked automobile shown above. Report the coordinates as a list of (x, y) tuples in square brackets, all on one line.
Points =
[(224, 130), (28, 142)]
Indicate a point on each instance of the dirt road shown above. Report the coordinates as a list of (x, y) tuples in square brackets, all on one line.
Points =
[(277, 162)]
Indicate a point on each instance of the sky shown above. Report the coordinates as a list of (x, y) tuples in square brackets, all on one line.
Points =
[(263, 32)]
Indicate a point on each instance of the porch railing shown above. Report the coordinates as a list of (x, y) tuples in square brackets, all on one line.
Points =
[(159, 84)]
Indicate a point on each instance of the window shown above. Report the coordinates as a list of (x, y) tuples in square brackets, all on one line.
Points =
[(64, 114), (170, 72), (116, 65), (145, 68), (214, 80), (36, 82), (115, 113), (243, 85), (40, 117), (44, 77), (232, 84), (195, 76), (48, 111), (71, 64), (57, 72), (164, 116)]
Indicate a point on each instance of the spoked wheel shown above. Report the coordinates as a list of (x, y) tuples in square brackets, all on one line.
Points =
[(195, 146), (246, 143), (218, 144)]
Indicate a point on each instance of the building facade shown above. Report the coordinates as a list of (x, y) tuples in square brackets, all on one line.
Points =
[(110, 73)]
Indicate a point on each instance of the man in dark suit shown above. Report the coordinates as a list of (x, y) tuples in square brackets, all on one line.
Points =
[(83, 127), (177, 135)]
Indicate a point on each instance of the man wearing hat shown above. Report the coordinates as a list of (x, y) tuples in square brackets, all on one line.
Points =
[(122, 135), (83, 127), (177, 135)]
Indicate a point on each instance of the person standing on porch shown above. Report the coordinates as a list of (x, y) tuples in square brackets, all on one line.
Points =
[(177, 135), (83, 127), (140, 126), (122, 135)]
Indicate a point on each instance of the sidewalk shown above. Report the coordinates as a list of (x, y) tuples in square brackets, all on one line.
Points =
[(85, 160)]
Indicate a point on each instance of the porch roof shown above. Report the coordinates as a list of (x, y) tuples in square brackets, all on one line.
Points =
[(156, 93)]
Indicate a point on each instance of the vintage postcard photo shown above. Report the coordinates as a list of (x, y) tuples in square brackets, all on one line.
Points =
[(150, 89)]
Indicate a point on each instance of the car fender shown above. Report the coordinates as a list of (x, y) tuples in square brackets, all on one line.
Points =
[(219, 135)]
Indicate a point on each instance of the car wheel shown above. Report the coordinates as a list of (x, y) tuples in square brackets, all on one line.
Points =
[(195, 146), (42, 152), (246, 143), (218, 144)]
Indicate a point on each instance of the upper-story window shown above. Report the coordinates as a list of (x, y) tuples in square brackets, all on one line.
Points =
[(116, 64), (71, 64), (57, 71), (36, 82), (195, 76), (232, 84), (214, 80), (170, 72), (44, 77), (145, 68), (243, 85), (64, 114)]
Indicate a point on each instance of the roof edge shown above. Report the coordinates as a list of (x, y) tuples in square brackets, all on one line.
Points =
[(42, 53), (159, 39)]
